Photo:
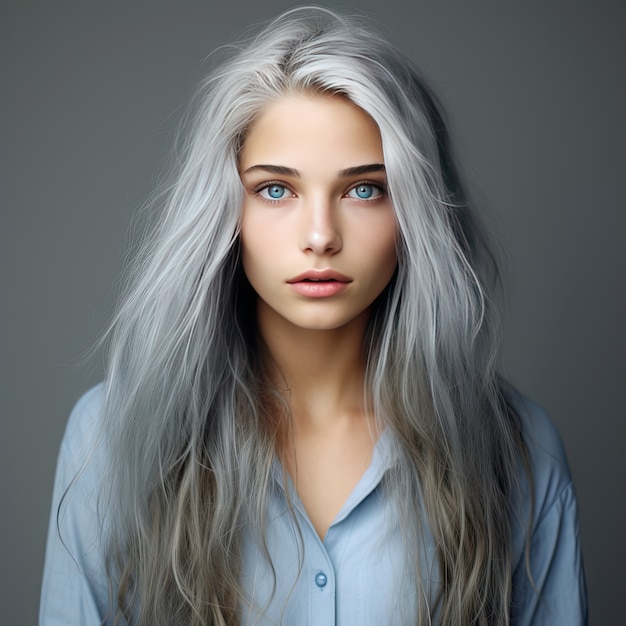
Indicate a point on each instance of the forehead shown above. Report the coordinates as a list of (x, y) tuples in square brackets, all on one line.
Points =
[(303, 129)]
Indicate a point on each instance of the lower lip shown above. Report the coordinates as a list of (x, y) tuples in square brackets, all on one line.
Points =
[(319, 289)]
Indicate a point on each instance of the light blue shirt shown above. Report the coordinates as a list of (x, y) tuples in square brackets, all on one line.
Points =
[(355, 575)]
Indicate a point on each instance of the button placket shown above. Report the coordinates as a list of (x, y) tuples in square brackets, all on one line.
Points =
[(323, 600)]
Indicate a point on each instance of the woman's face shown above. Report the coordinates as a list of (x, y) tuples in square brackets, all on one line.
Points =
[(318, 229)]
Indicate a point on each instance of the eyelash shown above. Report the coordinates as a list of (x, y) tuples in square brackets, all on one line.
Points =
[(382, 189)]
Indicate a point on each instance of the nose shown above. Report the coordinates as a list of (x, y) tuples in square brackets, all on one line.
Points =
[(319, 230)]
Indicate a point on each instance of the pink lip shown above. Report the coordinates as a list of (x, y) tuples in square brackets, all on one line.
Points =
[(319, 283), (327, 274)]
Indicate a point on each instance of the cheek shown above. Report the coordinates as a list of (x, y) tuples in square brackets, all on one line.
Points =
[(251, 259), (384, 256), (250, 255), (251, 238), (380, 243), (259, 250)]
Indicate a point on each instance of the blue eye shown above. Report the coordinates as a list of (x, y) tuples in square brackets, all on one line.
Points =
[(274, 192), (365, 191)]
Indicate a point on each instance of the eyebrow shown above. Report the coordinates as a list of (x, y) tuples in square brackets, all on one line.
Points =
[(281, 170)]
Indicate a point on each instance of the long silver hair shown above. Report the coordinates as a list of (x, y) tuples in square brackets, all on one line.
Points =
[(188, 411)]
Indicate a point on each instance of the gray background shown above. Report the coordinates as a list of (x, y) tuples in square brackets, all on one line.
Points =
[(91, 94)]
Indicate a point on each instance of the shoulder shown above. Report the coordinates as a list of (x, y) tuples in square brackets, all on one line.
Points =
[(82, 460), (547, 459), (74, 587), (84, 421), (548, 580), (83, 450), (544, 478)]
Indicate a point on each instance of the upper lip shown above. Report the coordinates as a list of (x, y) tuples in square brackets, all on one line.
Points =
[(327, 274)]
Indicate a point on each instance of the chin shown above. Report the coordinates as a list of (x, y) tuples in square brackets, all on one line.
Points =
[(330, 323)]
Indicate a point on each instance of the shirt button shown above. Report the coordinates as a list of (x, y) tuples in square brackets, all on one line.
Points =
[(321, 579)]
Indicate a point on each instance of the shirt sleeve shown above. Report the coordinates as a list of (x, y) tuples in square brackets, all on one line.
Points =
[(74, 589)]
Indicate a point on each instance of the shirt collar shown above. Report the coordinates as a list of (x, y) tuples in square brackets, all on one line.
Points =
[(384, 456)]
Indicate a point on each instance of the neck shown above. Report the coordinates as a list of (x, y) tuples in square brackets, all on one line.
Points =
[(321, 373)]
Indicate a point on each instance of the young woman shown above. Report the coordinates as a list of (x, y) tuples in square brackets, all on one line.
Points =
[(301, 421)]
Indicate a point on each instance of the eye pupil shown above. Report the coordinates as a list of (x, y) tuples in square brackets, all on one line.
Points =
[(364, 191), (276, 191)]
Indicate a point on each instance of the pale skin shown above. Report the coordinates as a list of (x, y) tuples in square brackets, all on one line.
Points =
[(318, 237)]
